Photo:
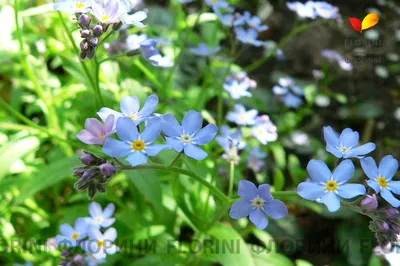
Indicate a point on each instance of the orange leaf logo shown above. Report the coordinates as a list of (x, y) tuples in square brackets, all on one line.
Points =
[(368, 22)]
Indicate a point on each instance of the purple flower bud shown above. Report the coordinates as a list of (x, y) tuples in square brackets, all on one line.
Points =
[(384, 227), (84, 20), (78, 258), (392, 213), (94, 42), (85, 33), (88, 159), (65, 253), (370, 202), (107, 169), (98, 30), (84, 45), (79, 171), (90, 52), (89, 174)]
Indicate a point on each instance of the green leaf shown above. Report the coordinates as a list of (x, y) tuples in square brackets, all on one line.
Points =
[(225, 233), (47, 176), (6, 183), (270, 259), (279, 155), (303, 263), (161, 260), (266, 238), (279, 180), (15, 150)]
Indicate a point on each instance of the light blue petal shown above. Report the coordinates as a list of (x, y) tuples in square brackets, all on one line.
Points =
[(349, 191), (247, 190), (95, 209), (276, 209), (107, 222), (332, 201), (153, 150), (105, 112), (344, 171), (171, 127), (109, 210), (369, 167), (195, 152), (130, 105), (331, 137), (310, 191), (116, 148), (192, 122), (388, 167), (94, 234), (349, 138), (175, 144), (152, 130), (110, 234), (240, 209), (126, 129), (65, 241), (259, 219), (206, 135), (137, 158), (373, 184), (388, 196), (264, 191), (334, 151), (149, 106), (81, 227), (395, 187), (66, 230), (363, 149), (319, 171)]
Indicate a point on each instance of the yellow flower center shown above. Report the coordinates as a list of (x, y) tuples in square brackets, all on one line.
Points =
[(214, 1), (80, 5), (75, 236), (100, 243), (102, 137), (99, 219), (138, 145), (133, 117), (331, 186), (104, 18), (383, 182)]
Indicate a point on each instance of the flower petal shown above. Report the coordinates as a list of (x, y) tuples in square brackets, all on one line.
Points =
[(349, 191), (126, 129), (247, 190), (130, 105), (66, 230), (109, 210), (349, 138), (369, 167), (334, 151), (65, 241), (88, 138), (195, 152), (137, 158), (375, 185), (331, 137), (95, 210), (395, 187), (109, 124), (344, 171), (171, 126), (310, 190), (206, 134), (192, 122), (264, 191), (175, 144), (94, 233), (152, 130), (319, 171), (363, 149), (107, 222), (105, 112), (259, 219), (388, 167), (332, 201), (153, 150), (276, 209), (110, 234), (81, 227), (116, 148), (240, 209), (149, 106), (388, 196)]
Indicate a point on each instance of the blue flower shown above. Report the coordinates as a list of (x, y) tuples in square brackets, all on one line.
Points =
[(230, 20), (264, 130), (135, 19), (237, 89), (289, 93), (257, 203), (133, 41), (100, 218), (92, 261), (189, 136), (256, 160), (203, 50), (153, 55), (345, 145), (291, 100), (381, 178), (252, 21), (216, 5), (303, 10), (130, 106), (71, 236), (242, 117), (99, 245), (134, 145), (327, 187), (230, 139), (334, 56), (326, 10), (73, 6), (248, 36)]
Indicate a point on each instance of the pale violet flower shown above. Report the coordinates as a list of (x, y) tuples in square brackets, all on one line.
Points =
[(240, 116), (99, 245), (326, 10), (237, 89), (71, 236), (95, 133), (334, 56), (252, 21), (134, 19), (256, 161), (73, 6), (99, 217), (134, 41), (264, 130), (248, 36), (203, 50), (108, 11), (300, 138), (303, 10)]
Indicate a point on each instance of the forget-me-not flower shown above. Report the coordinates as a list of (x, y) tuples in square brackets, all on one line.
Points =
[(99, 217), (108, 11), (334, 56), (326, 10), (229, 139), (256, 160), (203, 50), (305, 10), (291, 100), (240, 116), (95, 133), (252, 21), (257, 203), (92, 261), (71, 236), (264, 130), (190, 135), (216, 5), (134, 145), (381, 178), (153, 55), (99, 245), (134, 41), (237, 89), (327, 187), (345, 145), (248, 36), (134, 19), (130, 107), (73, 6), (290, 94)]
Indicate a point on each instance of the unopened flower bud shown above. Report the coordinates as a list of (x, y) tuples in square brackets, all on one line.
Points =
[(392, 213), (65, 253), (79, 171), (97, 30), (92, 189), (370, 202), (94, 42), (84, 21), (107, 169), (84, 45), (384, 227), (79, 259), (85, 33), (88, 159), (89, 174), (90, 52), (101, 188)]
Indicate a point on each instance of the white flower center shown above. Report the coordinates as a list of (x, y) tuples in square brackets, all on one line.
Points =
[(258, 203), (186, 138), (99, 219), (344, 150)]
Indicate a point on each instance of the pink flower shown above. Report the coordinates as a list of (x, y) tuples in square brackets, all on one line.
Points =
[(95, 133)]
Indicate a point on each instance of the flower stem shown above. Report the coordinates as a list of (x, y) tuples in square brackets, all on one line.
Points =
[(176, 159), (231, 178)]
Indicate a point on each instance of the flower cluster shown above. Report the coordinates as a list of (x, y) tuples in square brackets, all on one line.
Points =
[(313, 10), (334, 56), (289, 93), (87, 235), (239, 84)]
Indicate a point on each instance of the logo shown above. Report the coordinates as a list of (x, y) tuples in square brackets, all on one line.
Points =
[(368, 22)]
